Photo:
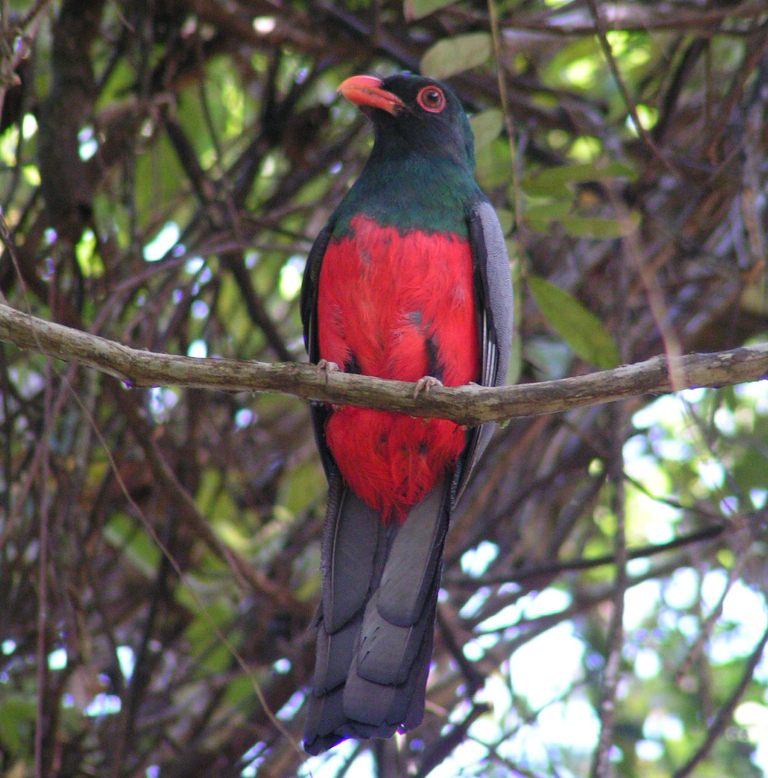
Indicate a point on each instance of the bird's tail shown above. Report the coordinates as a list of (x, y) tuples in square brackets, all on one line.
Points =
[(376, 620)]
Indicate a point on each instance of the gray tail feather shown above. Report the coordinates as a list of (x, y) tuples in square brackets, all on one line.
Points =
[(376, 621)]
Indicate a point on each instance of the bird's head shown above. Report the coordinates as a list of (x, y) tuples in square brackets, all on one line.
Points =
[(413, 114)]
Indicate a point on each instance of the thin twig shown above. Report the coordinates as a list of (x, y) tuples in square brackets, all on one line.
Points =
[(41, 712), (575, 565), (202, 609), (600, 31), (723, 716), (601, 765), (644, 18), (506, 110)]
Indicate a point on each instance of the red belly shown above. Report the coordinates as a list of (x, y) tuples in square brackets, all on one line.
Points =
[(396, 306)]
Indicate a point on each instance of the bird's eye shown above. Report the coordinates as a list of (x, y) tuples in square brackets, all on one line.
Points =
[(431, 98)]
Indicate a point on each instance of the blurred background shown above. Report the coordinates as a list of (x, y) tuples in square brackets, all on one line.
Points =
[(164, 168)]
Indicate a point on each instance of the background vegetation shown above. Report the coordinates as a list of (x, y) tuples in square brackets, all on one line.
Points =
[(164, 167)]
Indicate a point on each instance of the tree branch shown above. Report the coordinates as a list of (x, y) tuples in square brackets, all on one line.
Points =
[(469, 405)]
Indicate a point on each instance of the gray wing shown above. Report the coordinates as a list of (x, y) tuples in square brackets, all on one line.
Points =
[(495, 312)]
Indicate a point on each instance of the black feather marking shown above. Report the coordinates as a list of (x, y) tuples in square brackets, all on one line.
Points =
[(352, 364), (435, 368)]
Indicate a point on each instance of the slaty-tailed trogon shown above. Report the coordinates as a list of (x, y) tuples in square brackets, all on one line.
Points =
[(410, 278)]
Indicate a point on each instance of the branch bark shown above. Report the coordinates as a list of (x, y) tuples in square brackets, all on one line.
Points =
[(468, 405)]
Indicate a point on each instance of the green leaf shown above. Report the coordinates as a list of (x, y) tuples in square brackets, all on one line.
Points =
[(454, 55), (550, 210), (239, 691), (494, 163), (302, 486), (17, 713), (541, 212), (506, 220), (577, 326), (89, 261), (546, 187), (418, 9), (749, 471), (554, 181), (135, 543), (486, 126), (600, 227), (542, 226)]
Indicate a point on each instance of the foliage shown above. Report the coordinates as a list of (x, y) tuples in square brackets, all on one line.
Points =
[(163, 169)]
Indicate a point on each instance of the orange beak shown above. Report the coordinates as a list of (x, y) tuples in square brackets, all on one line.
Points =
[(366, 92)]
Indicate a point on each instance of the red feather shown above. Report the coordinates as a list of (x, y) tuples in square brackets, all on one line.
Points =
[(396, 305)]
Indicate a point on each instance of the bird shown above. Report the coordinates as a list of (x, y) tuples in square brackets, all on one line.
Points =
[(408, 280)]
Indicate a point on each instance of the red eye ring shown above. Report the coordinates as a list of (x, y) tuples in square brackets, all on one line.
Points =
[(431, 98)]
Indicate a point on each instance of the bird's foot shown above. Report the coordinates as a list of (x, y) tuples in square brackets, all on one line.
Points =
[(425, 385), (326, 367)]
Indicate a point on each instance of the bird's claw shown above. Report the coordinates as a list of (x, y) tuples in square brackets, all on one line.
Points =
[(326, 367), (425, 384)]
